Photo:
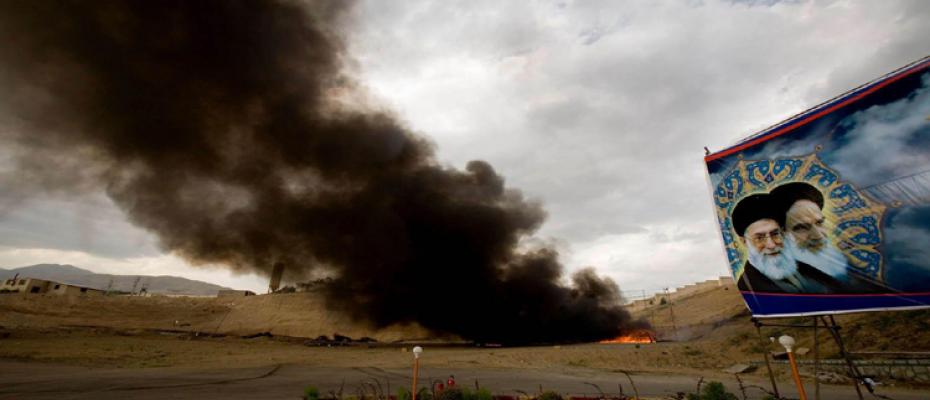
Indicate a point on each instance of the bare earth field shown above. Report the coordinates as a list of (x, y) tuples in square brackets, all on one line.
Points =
[(161, 347)]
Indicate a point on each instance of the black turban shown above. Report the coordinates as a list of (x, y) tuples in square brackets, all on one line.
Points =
[(752, 209)]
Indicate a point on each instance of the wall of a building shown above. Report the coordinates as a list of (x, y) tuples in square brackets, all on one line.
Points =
[(18, 284), (37, 286), (234, 293), (41, 286), (681, 292)]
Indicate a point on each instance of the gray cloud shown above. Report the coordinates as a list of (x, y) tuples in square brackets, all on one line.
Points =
[(895, 130), (90, 224), (601, 111)]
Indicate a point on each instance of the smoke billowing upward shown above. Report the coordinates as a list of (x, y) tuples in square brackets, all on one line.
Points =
[(213, 125)]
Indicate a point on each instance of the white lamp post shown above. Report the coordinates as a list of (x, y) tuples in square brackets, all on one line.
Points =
[(788, 343), (417, 350)]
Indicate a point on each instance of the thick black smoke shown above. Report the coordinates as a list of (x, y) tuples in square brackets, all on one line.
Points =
[(227, 129)]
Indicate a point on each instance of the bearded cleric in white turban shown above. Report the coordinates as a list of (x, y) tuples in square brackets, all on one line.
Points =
[(808, 238)]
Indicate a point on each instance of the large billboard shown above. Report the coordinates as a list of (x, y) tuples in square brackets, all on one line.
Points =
[(829, 211)]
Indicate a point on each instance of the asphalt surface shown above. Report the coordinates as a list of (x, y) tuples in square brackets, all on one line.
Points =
[(22, 380)]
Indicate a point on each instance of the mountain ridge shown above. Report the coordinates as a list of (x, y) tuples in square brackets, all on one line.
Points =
[(160, 284)]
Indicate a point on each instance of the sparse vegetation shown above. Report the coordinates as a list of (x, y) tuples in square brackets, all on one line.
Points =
[(480, 394), (424, 394), (311, 393), (549, 395), (712, 391), (450, 394)]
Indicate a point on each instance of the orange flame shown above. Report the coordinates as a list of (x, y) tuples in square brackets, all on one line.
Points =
[(638, 336)]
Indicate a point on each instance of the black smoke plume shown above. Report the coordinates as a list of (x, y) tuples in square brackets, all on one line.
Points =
[(228, 129)]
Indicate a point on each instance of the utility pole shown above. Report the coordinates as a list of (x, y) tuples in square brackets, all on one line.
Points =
[(671, 312)]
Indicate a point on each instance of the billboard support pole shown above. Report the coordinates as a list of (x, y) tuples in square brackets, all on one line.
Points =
[(816, 362), (835, 332), (765, 356)]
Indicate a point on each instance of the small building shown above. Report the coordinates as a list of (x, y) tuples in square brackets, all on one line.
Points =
[(42, 286), (64, 289), (234, 293), (25, 285)]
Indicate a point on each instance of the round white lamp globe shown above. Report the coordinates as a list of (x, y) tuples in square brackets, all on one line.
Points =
[(787, 342)]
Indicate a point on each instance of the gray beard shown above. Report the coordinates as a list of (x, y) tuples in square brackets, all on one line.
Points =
[(776, 267), (828, 259)]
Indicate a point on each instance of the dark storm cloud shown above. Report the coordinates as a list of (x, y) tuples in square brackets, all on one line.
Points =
[(226, 128), (616, 127)]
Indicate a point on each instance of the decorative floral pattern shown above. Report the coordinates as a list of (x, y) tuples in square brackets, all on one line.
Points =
[(852, 218)]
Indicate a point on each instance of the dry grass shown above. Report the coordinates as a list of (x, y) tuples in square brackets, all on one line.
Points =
[(123, 333)]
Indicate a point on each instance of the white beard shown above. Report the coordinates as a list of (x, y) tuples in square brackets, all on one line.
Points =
[(828, 259), (775, 267)]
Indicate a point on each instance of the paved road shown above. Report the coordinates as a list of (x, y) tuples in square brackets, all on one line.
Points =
[(19, 380)]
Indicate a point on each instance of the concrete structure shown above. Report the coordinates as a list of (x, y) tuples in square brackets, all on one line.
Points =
[(234, 293), (909, 370), (276, 274), (724, 282), (42, 286)]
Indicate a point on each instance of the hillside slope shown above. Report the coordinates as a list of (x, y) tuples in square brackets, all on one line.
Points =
[(121, 283), (719, 319), (294, 314)]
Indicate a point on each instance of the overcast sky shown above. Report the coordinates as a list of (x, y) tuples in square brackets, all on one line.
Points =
[(598, 109)]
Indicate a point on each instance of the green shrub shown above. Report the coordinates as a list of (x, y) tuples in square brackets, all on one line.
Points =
[(311, 393), (480, 394), (549, 395), (403, 394), (424, 394), (452, 393), (713, 391)]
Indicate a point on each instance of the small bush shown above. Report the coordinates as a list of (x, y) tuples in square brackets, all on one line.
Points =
[(549, 395), (480, 394), (311, 393), (424, 394), (452, 393), (713, 391)]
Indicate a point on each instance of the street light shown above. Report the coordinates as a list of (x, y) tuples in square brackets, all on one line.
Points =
[(417, 350), (788, 343)]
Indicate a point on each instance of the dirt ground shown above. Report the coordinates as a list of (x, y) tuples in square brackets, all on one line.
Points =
[(206, 334), (131, 332), (295, 314), (95, 347)]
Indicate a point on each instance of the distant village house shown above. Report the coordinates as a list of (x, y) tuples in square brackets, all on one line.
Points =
[(234, 293), (42, 286)]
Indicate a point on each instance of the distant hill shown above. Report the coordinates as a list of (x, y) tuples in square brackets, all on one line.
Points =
[(124, 283)]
